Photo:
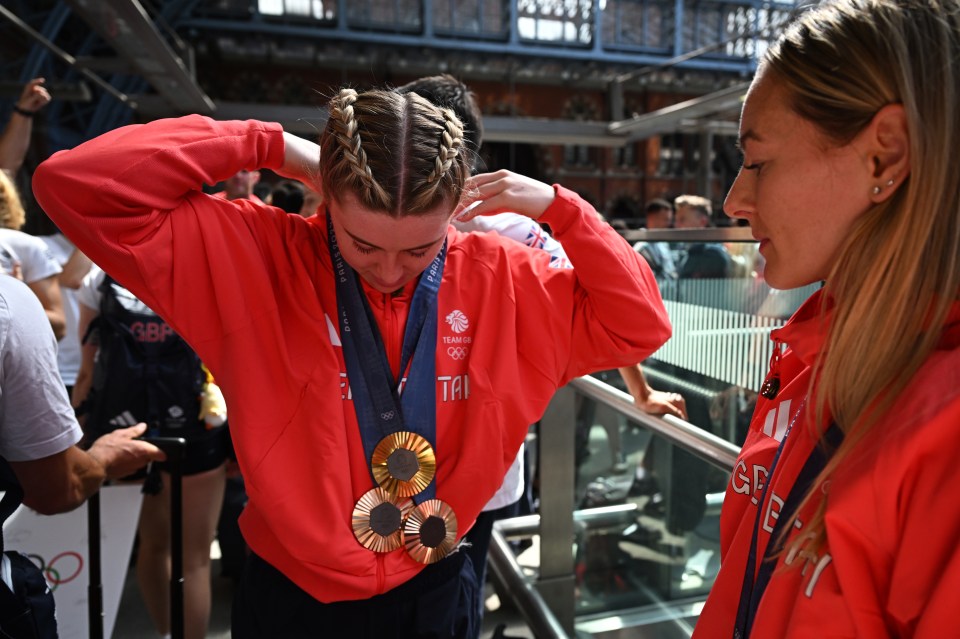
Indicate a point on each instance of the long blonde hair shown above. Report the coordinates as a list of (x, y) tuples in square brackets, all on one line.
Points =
[(898, 272), (12, 215), (398, 153)]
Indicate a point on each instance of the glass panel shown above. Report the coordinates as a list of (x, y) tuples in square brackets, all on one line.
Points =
[(471, 17), (560, 21), (647, 530), (648, 519), (722, 314), (638, 23)]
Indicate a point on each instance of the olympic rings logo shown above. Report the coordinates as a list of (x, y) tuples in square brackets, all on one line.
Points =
[(60, 570), (458, 352)]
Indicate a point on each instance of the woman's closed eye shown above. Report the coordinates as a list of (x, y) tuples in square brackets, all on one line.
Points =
[(361, 248), (367, 250)]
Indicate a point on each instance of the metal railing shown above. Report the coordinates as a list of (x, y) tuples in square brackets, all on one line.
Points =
[(548, 603)]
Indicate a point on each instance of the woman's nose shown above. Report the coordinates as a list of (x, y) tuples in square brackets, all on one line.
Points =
[(737, 204), (389, 268)]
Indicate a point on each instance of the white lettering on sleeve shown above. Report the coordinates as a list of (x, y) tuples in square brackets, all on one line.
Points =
[(739, 480), (821, 565), (771, 516)]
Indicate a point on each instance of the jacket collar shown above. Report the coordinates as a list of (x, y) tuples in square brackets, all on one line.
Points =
[(806, 331)]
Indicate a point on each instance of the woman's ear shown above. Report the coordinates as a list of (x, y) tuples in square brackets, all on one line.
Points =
[(888, 141)]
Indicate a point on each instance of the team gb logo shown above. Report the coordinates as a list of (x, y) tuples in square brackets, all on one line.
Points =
[(458, 321)]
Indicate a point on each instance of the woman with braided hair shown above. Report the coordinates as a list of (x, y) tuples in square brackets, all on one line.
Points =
[(380, 367)]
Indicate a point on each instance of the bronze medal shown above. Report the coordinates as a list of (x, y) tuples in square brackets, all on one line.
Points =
[(378, 520), (403, 464), (430, 531)]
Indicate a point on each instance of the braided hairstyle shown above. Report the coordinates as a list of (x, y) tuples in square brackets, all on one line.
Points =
[(398, 154)]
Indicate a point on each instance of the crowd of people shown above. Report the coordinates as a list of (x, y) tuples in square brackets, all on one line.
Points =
[(368, 341)]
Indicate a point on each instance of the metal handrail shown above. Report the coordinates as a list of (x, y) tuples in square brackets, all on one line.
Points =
[(523, 594), (711, 234), (704, 445)]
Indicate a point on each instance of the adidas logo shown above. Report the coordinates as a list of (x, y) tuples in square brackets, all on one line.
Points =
[(123, 420)]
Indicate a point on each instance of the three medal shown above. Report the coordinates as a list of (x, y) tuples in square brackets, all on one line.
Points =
[(403, 464), (385, 518), (430, 531), (378, 519)]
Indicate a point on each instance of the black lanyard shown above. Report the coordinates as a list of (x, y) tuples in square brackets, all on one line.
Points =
[(380, 406), (753, 589)]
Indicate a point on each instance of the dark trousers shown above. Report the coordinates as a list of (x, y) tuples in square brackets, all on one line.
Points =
[(436, 604), (479, 539), (233, 549)]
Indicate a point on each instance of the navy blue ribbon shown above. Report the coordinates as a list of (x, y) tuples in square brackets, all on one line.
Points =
[(380, 406), (753, 589)]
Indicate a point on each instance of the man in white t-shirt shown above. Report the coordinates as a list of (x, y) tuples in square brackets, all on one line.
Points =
[(38, 431)]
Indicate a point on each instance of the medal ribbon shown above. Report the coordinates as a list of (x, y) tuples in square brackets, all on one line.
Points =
[(753, 589), (380, 407)]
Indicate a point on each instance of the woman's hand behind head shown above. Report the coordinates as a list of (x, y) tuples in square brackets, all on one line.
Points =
[(504, 192)]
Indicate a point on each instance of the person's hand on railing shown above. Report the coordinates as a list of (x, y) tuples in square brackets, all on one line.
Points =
[(662, 403), (652, 401)]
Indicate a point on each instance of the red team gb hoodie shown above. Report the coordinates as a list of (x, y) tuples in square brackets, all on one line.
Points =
[(891, 563), (251, 289)]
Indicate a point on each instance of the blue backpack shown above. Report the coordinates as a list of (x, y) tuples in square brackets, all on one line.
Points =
[(27, 609), (144, 372)]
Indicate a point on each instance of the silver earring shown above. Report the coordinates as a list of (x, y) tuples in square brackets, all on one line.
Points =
[(876, 190), (890, 182)]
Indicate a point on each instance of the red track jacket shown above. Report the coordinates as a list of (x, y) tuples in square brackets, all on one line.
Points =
[(891, 566), (251, 288)]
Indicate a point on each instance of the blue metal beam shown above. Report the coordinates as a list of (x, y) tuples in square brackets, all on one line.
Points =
[(521, 49)]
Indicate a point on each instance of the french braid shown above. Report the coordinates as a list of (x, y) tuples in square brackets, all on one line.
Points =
[(348, 136), (451, 142), (411, 159)]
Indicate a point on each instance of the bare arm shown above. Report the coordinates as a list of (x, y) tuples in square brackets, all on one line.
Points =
[(649, 400), (88, 353), (63, 481), (74, 270), (15, 139), (47, 291), (301, 160)]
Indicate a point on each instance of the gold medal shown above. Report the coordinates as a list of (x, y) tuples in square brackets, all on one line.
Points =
[(430, 531), (378, 520), (403, 464)]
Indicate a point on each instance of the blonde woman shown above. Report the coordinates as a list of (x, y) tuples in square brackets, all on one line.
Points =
[(27, 257), (840, 519)]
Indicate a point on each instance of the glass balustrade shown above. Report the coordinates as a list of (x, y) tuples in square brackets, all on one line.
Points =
[(627, 544)]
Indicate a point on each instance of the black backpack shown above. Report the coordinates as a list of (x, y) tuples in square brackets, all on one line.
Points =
[(144, 372), (27, 611)]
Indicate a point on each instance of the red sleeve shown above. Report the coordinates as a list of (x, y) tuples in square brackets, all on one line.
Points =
[(925, 578), (615, 316), (132, 200)]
